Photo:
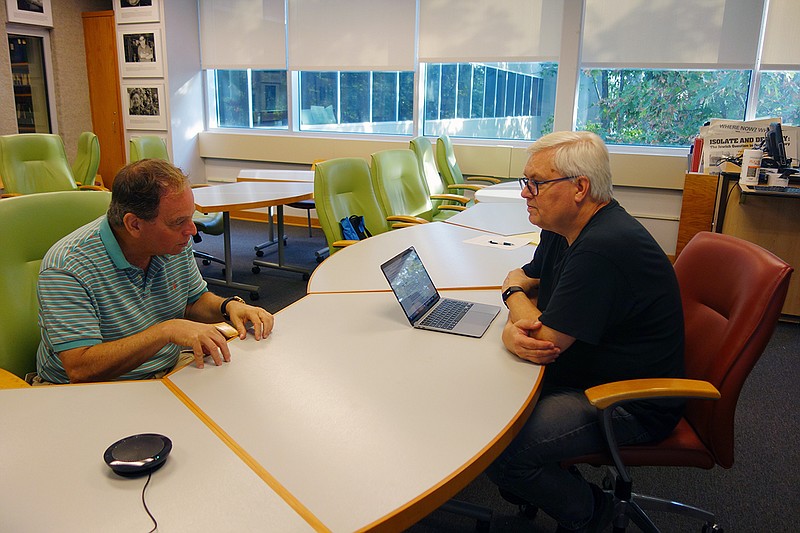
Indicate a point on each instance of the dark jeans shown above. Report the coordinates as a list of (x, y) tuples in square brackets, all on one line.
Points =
[(563, 425)]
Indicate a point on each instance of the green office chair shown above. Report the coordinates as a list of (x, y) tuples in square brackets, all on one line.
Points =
[(87, 161), (401, 190), (34, 163), (451, 172), (154, 147), (437, 187), (29, 226), (342, 187)]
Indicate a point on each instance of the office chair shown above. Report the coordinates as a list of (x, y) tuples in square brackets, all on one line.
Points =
[(342, 187), (451, 172), (154, 147), (732, 293), (441, 199), (35, 163), (87, 161), (29, 225), (401, 190)]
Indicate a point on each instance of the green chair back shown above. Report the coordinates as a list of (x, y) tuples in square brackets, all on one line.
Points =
[(34, 162), (399, 186), (29, 226), (342, 187), (446, 161), (426, 160), (84, 168), (148, 147)]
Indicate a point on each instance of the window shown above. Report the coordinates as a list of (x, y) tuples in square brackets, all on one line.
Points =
[(251, 98), (29, 75), (658, 107), (491, 101), (779, 96), (357, 102)]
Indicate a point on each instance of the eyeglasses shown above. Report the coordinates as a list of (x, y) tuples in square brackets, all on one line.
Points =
[(534, 190)]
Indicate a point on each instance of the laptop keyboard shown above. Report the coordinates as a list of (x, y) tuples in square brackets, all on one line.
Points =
[(774, 188), (447, 314)]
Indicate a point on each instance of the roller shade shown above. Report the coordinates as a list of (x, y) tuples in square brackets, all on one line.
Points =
[(239, 34), (455, 31), (782, 36), (351, 34), (661, 34)]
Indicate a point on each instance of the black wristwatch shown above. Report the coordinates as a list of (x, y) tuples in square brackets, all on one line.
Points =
[(509, 291), (224, 306)]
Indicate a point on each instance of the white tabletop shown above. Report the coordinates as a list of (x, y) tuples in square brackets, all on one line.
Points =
[(53, 477), (451, 263), (250, 195), (362, 418), (502, 218), (275, 175), (508, 191)]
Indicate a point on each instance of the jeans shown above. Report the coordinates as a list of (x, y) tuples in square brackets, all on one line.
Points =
[(563, 425)]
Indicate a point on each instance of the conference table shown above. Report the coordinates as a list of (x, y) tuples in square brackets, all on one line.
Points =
[(344, 419), (250, 195), (505, 192)]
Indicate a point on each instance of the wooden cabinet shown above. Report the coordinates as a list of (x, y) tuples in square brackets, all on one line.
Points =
[(99, 31)]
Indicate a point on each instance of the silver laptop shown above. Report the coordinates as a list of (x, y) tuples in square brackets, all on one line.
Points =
[(424, 307)]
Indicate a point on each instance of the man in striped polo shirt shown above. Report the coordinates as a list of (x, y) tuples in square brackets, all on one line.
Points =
[(120, 297)]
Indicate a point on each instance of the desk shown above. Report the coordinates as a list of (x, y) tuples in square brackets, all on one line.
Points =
[(452, 263), (248, 195), (505, 192), (363, 426), (54, 478), (276, 175), (495, 217)]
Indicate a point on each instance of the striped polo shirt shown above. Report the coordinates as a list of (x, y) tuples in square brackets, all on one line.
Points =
[(89, 293)]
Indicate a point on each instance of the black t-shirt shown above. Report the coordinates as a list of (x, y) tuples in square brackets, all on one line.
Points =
[(616, 292)]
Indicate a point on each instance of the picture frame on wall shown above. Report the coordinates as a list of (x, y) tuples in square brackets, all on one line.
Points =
[(144, 106), (135, 11), (38, 12), (140, 51)]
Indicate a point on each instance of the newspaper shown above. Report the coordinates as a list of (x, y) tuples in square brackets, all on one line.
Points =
[(724, 141)]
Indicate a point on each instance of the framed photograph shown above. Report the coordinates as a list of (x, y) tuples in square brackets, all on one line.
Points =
[(144, 106), (134, 11), (36, 12), (140, 51)]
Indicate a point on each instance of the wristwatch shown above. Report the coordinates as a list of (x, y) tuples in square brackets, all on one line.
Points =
[(224, 306), (511, 290)]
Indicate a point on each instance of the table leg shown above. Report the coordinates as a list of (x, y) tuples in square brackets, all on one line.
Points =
[(228, 281), (280, 265)]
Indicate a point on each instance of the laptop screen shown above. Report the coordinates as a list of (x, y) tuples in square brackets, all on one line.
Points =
[(411, 283)]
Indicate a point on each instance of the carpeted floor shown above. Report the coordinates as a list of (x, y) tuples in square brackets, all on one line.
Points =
[(759, 494)]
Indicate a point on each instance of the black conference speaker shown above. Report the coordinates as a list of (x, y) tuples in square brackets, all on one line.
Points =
[(138, 455)]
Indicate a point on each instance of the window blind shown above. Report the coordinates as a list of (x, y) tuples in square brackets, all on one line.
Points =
[(782, 36), (665, 34), (240, 34), (351, 34), (454, 31)]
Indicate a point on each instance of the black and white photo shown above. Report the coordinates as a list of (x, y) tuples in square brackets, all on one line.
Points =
[(140, 51), (38, 12), (144, 105), (135, 11)]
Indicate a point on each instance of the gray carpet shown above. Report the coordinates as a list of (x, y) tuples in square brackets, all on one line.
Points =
[(759, 494)]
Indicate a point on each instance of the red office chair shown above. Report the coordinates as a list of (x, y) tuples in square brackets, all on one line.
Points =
[(732, 293)]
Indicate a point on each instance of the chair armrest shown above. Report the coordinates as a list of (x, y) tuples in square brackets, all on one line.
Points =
[(91, 188), (343, 243), (465, 187), (398, 225), (11, 381), (408, 219), (9, 194), (483, 178), (609, 394), (452, 208), (451, 197)]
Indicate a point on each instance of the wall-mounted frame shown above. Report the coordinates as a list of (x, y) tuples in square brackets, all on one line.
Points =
[(143, 105), (135, 11), (140, 52), (36, 12)]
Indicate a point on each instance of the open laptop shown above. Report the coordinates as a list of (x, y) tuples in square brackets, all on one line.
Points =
[(424, 307)]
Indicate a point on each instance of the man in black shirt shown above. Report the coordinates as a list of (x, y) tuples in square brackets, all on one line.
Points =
[(598, 303)]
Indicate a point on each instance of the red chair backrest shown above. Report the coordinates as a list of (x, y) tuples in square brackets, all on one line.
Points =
[(732, 292)]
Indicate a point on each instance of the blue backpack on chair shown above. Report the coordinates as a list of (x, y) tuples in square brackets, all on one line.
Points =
[(353, 228)]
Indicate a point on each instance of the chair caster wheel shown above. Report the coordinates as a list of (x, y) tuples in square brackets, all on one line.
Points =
[(712, 528), (259, 253), (254, 296), (255, 270), (306, 277), (285, 241), (320, 259), (206, 262)]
